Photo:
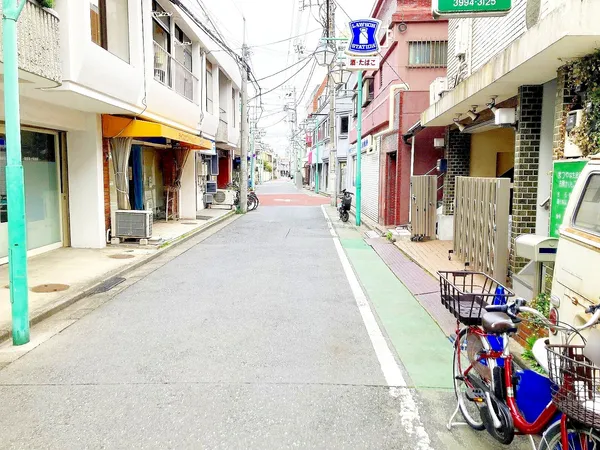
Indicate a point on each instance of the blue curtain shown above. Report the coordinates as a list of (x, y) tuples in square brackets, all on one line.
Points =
[(137, 202)]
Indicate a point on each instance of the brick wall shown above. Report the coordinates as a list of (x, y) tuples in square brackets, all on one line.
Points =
[(527, 148), (105, 169), (458, 154)]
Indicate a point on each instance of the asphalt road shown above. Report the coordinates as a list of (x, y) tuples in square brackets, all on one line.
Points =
[(251, 339)]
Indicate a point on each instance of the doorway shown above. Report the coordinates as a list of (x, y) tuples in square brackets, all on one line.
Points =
[(43, 203)]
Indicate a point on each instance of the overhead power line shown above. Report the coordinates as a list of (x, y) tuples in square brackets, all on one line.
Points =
[(281, 84), (287, 68)]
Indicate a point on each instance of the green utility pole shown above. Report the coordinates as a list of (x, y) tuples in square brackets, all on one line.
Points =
[(15, 190), (358, 146), (317, 170)]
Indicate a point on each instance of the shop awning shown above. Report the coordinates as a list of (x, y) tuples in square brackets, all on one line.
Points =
[(113, 126)]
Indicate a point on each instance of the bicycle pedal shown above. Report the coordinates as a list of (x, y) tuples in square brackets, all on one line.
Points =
[(475, 395)]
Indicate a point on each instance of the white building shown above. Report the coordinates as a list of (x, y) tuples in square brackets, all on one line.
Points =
[(94, 70)]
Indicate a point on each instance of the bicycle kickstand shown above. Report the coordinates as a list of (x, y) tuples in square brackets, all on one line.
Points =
[(451, 422)]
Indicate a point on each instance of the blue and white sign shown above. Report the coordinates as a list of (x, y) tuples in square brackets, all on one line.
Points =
[(363, 37)]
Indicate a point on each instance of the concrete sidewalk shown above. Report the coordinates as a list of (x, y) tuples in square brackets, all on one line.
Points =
[(63, 276)]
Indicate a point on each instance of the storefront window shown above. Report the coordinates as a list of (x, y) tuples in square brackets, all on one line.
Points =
[(42, 196)]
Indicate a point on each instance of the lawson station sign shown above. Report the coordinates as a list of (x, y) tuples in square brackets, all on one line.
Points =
[(363, 45)]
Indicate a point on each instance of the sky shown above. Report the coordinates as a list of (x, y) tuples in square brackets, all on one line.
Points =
[(269, 21)]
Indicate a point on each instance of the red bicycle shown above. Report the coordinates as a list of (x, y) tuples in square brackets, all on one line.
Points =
[(492, 394)]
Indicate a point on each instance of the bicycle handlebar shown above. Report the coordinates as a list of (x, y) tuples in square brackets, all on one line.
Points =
[(513, 309)]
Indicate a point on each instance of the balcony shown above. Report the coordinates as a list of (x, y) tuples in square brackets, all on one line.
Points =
[(173, 74), (39, 44)]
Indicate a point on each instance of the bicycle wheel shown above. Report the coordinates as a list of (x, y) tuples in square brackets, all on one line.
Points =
[(256, 198), (251, 204), (580, 438), (462, 347)]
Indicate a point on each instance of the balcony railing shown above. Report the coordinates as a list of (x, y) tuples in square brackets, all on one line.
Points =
[(39, 42), (173, 74)]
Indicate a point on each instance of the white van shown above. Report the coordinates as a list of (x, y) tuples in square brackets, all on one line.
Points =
[(576, 283)]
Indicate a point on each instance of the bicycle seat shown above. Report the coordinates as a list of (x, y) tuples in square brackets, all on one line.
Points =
[(497, 323)]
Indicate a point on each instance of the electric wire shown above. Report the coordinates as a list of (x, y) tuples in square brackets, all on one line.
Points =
[(288, 79), (287, 68)]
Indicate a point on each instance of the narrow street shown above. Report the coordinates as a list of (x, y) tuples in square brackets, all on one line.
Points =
[(251, 339)]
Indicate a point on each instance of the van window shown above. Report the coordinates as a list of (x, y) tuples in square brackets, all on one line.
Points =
[(587, 216)]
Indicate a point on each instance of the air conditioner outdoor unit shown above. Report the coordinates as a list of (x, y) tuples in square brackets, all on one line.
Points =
[(211, 187), (133, 224), (437, 88), (224, 197)]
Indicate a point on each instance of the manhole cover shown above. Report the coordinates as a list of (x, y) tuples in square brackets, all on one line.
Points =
[(52, 287), (189, 223), (121, 256)]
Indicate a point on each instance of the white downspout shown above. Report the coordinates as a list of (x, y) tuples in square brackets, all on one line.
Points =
[(412, 172)]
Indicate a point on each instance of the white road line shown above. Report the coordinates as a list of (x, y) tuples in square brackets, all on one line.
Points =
[(409, 413)]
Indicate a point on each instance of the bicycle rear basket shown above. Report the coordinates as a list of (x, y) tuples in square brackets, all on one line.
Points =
[(576, 383), (466, 294)]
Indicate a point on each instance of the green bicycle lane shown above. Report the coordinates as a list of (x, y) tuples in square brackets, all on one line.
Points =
[(421, 346)]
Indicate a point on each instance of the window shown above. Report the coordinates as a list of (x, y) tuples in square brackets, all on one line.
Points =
[(209, 88), (354, 170), (355, 106), (587, 216), (428, 53), (344, 121), (109, 20)]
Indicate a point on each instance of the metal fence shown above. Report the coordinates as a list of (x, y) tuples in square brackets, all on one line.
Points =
[(175, 75), (423, 206), (481, 217)]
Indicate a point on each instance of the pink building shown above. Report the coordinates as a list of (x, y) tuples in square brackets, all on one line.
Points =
[(414, 53)]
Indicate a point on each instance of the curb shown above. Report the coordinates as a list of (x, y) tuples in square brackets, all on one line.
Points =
[(65, 302)]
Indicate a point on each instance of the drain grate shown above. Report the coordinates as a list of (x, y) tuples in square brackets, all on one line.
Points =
[(107, 285), (121, 256), (50, 287), (189, 223), (203, 217)]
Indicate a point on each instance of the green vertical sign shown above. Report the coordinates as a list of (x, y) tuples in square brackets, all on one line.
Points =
[(472, 6), (564, 176)]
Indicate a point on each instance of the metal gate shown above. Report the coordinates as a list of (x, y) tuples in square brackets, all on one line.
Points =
[(481, 218), (423, 190), (370, 184)]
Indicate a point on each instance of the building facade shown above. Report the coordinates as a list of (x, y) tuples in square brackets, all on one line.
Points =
[(122, 105), (515, 81), (413, 54)]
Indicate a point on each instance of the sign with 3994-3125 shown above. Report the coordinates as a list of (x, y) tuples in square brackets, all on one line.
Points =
[(470, 8)]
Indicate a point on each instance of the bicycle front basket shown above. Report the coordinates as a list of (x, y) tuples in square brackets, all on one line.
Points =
[(576, 383)]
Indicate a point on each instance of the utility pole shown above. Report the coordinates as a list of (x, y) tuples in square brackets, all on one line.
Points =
[(332, 118), (244, 144), (252, 158), (298, 175), (15, 190)]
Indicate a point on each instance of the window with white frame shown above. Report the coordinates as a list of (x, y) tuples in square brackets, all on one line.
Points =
[(109, 20), (427, 53), (344, 122)]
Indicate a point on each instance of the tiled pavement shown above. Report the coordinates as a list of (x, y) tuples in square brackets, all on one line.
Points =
[(422, 284)]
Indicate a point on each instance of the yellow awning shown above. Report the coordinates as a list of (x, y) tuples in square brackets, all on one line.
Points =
[(113, 126)]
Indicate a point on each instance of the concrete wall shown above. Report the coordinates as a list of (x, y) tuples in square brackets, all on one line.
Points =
[(86, 185), (492, 152)]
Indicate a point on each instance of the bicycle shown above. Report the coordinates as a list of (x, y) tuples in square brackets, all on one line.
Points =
[(491, 395), (252, 198)]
